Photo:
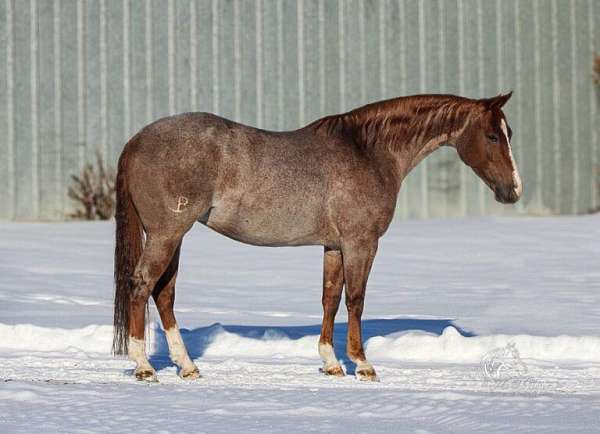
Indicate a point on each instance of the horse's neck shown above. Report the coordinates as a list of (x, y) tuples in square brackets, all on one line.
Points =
[(401, 132), (408, 142), (414, 151)]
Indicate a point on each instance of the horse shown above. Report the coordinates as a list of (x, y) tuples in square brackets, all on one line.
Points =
[(333, 183)]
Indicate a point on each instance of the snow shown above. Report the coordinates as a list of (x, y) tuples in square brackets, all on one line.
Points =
[(444, 298), (452, 347)]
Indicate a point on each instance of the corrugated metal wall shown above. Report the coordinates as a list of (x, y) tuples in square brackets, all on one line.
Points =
[(76, 76)]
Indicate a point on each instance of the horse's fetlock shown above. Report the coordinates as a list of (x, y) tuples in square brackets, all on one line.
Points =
[(355, 352)]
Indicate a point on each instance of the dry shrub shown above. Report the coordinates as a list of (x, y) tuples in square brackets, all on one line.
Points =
[(94, 191)]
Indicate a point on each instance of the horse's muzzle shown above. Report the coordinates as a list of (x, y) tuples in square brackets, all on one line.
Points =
[(506, 194)]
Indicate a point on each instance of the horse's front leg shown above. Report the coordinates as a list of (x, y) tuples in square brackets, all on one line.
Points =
[(333, 282), (358, 257)]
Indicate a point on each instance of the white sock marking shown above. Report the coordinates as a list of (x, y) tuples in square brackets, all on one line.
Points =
[(363, 365), (137, 353), (328, 355), (177, 349)]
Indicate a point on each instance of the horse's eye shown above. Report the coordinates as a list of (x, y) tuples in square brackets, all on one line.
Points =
[(492, 138)]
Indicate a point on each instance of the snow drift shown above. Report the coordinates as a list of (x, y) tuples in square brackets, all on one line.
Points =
[(217, 342), (452, 347)]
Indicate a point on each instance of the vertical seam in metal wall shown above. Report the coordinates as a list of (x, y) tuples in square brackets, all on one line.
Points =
[(442, 75), (593, 111), (499, 47), (342, 54), (35, 133), (361, 51), (57, 108), (103, 82), (481, 78), (321, 57), (237, 73), (519, 85), (126, 95), (442, 47), (537, 105), (215, 56), (193, 57), (461, 87), (403, 87), (555, 108), (80, 85), (10, 107), (300, 58), (574, 119), (279, 10), (382, 51), (422, 87), (259, 64), (171, 55), (148, 59)]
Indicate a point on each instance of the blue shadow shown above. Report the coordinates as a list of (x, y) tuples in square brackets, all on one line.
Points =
[(198, 339)]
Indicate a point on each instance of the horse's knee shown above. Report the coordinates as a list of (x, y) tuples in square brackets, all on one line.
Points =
[(355, 303), (331, 302)]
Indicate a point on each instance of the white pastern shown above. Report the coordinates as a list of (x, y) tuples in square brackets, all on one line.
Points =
[(363, 365), (137, 353), (328, 355), (515, 174), (177, 350), (365, 371)]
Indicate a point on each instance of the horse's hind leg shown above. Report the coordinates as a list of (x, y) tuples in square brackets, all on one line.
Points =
[(333, 282), (164, 297), (157, 254)]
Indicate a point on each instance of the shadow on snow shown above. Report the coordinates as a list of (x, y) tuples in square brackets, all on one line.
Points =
[(197, 340)]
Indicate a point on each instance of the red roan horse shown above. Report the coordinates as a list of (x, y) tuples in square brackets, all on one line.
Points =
[(332, 183)]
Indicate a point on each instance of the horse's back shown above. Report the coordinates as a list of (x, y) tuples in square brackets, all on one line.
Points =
[(257, 186)]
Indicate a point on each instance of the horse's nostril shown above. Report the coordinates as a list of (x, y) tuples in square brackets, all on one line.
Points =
[(506, 194), (512, 197)]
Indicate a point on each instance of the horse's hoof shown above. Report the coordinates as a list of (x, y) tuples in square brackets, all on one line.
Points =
[(334, 371), (148, 375), (366, 374), (190, 375)]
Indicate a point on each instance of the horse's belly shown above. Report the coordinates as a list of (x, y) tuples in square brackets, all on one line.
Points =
[(273, 227)]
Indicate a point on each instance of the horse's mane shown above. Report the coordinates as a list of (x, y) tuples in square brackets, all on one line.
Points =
[(397, 121)]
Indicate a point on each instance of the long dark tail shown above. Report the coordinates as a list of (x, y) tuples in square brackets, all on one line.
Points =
[(128, 249)]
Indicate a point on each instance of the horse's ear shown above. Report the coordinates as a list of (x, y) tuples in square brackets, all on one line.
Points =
[(497, 101)]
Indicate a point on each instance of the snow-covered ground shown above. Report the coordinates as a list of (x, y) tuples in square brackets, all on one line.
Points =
[(483, 325)]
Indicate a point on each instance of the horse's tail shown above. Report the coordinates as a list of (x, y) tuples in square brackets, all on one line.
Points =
[(128, 249)]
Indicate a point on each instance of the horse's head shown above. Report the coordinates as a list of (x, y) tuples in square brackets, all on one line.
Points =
[(484, 145)]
